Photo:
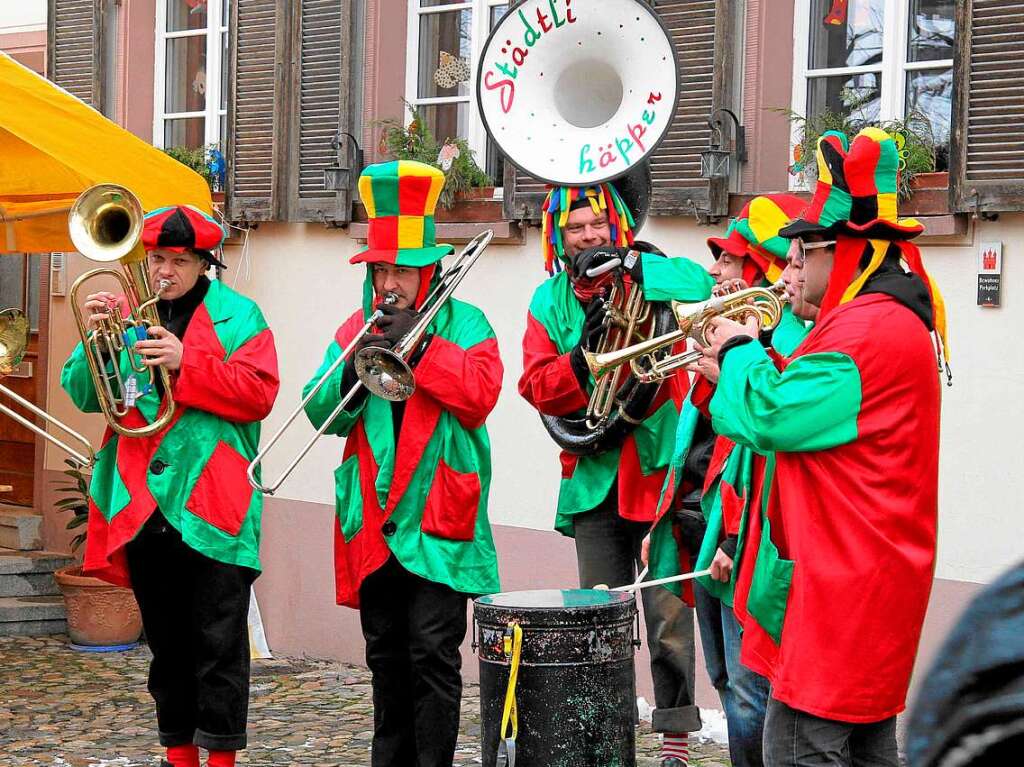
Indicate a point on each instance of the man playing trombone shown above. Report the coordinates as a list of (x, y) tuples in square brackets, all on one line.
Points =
[(172, 514), (607, 499), (412, 534)]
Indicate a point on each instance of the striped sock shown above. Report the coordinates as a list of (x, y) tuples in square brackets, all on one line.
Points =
[(183, 756), (676, 744)]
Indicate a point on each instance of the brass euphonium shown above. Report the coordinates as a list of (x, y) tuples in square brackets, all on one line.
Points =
[(646, 359), (106, 225)]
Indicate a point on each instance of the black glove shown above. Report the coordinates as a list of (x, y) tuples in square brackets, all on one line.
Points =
[(394, 325), (593, 327), (593, 258)]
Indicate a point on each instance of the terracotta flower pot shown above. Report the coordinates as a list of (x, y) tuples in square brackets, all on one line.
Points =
[(99, 614)]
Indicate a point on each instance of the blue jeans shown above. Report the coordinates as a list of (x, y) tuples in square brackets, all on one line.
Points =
[(744, 694)]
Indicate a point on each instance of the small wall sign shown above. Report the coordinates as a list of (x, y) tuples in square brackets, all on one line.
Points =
[(990, 273)]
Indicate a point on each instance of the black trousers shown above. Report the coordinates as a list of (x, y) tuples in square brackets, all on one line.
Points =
[(413, 628), (194, 610)]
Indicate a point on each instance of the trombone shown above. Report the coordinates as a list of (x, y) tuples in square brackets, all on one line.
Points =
[(106, 225), (649, 366), (14, 334), (383, 372)]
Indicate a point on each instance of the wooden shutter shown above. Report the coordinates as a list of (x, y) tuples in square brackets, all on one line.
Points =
[(703, 34), (321, 39), (986, 153), (75, 41), (258, 41)]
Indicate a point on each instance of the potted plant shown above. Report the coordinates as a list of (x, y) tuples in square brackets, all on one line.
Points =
[(463, 177), (913, 135), (101, 616), (207, 161)]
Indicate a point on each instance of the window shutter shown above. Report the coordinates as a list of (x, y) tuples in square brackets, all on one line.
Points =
[(986, 153), (703, 34), (258, 40), (321, 85), (74, 43)]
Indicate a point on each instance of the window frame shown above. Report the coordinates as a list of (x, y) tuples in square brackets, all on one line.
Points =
[(216, 61), (895, 38), (480, 25)]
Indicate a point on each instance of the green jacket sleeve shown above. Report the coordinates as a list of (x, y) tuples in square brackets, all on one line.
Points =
[(323, 403), (77, 382), (675, 279), (812, 405)]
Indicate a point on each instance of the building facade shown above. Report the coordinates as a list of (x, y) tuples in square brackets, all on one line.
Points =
[(275, 84)]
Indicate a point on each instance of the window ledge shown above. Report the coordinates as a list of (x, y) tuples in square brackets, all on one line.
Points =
[(930, 202), (459, 224)]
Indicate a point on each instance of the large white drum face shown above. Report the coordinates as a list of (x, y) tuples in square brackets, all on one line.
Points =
[(577, 92)]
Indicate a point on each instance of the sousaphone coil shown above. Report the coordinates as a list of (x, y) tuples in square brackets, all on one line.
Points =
[(578, 92)]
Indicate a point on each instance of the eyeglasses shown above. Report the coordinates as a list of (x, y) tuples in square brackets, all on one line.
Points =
[(809, 247)]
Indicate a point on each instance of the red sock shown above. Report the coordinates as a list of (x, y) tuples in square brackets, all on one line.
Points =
[(676, 744), (221, 759), (183, 756)]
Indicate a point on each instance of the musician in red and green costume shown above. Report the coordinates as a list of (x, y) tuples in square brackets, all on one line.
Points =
[(173, 515), (838, 566), (412, 538), (699, 515), (607, 500)]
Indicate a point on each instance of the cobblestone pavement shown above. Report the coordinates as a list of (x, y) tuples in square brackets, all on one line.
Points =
[(62, 708)]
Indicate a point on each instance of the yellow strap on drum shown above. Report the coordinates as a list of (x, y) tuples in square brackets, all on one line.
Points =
[(578, 92), (510, 715)]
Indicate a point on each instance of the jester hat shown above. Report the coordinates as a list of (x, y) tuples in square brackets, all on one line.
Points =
[(178, 228), (400, 199), (855, 202), (754, 236)]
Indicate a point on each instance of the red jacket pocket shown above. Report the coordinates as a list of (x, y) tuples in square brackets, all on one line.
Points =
[(222, 494), (452, 504)]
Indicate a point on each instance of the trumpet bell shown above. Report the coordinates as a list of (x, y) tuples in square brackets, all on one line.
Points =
[(385, 374), (106, 223), (14, 335)]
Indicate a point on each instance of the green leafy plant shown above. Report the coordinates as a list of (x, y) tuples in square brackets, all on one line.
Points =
[(416, 142), (918, 152), (76, 502), (197, 158)]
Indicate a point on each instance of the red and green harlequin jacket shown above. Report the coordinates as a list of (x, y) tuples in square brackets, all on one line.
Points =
[(553, 327), (429, 492), (194, 469), (837, 571)]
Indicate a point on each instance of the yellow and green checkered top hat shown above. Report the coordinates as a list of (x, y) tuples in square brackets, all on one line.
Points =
[(400, 199)]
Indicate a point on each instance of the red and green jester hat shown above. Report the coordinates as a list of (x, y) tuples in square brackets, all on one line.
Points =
[(421, 493), (194, 469), (839, 557), (554, 327), (753, 236)]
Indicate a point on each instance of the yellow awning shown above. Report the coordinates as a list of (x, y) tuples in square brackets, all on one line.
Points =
[(53, 146)]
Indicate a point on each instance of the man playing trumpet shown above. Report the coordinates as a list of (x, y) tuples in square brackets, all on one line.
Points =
[(842, 557), (172, 515), (606, 501), (412, 538)]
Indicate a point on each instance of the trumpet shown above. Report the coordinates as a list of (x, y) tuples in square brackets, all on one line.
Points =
[(383, 372), (14, 334), (647, 359), (106, 225)]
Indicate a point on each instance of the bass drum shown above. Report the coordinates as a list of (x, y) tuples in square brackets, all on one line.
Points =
[(572, 434)]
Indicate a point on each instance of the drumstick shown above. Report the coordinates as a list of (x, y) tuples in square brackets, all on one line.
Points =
[(662, 581)]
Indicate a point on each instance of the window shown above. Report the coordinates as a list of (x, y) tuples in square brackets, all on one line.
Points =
[(448, 35), (877, 60), (191, 72)]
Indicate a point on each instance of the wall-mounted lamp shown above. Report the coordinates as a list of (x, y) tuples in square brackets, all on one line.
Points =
[(716, 160), (337, 177)]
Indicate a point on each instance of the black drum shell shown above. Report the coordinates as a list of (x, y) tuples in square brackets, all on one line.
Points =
[(576, 692)]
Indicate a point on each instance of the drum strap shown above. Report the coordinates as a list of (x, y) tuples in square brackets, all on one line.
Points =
[(510, 714)]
